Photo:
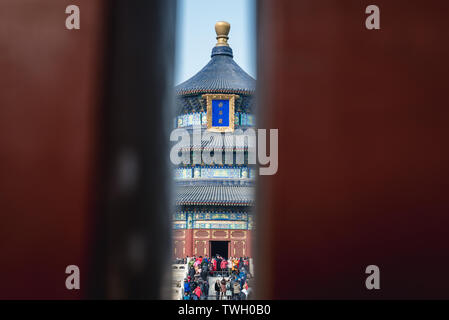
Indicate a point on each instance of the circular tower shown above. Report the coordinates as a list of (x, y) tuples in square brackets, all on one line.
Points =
[(215, 188)]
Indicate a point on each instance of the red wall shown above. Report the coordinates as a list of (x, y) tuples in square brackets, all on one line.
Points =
[(363, 149), (50, 86), (199, 240)]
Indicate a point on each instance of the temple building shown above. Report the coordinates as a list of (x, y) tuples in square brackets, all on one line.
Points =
[(214, 201)]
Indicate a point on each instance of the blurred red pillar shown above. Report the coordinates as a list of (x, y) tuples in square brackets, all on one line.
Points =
[(363, 149), (50, 92)]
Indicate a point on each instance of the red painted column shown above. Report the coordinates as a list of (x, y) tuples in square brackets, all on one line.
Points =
[(189, 242), (207, 247), (249, 237), (363, 149), (50, 92)]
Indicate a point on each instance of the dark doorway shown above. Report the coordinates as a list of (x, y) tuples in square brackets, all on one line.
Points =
[(219, 247)]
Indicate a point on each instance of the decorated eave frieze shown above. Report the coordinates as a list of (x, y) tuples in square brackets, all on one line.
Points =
[(213, 220), (211, 215), (214, 173), (189, 120)]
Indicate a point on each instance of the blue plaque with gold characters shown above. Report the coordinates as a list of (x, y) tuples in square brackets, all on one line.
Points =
[(220, 112)]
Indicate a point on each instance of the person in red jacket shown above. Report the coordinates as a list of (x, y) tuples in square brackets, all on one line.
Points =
[(197, 292), (224, 265)]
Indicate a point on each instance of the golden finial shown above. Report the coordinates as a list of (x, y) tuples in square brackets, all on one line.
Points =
[(222, 30)]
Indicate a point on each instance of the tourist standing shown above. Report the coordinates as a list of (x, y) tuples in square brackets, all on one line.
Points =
[(197, 292), (186, 286), (228, 290), (246, 265), (236, 290), (223, 288), (191, 272), (204, 272), (217, 288), (224, 266), (205, 290), (218, 263), (214, 265)]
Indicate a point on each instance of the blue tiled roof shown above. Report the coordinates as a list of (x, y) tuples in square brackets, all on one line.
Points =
[(220, 75), (223, 195)]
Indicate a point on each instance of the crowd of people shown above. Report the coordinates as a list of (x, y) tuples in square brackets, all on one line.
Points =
[(234, 287), (234, 274)]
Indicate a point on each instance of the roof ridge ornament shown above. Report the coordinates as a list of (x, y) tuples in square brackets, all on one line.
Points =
[(222, 30)]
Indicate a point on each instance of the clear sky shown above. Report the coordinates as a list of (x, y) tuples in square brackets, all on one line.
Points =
[(195, 36)]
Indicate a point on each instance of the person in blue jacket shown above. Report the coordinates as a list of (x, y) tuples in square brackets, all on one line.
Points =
[(242, 277), (186, 286)]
